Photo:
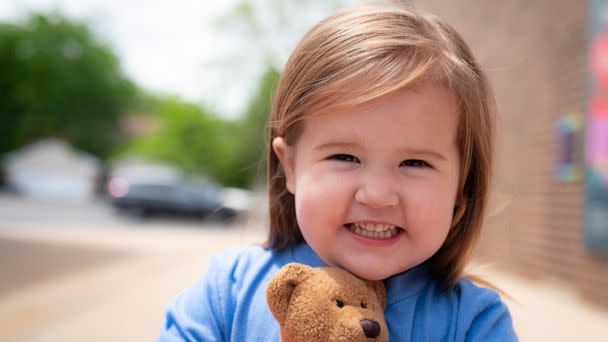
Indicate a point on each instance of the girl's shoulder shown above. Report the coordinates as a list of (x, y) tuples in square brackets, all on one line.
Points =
[(483, 315), (237, 262), (233, 285), (465, 312), (476, 299), (470, 291), (419, 282), (241, 255), (253, 260)]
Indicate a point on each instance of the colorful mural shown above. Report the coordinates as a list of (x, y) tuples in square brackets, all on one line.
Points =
[(596, 183)]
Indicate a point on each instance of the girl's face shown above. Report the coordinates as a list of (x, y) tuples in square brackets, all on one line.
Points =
[(375, 185)]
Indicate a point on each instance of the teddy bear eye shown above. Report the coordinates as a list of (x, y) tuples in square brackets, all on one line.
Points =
[(363, 305), (339, 303)]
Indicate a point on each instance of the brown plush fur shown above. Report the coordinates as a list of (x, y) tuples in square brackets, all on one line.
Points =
[(326, 304)]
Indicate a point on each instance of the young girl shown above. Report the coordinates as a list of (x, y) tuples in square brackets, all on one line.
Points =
[(381, 137)]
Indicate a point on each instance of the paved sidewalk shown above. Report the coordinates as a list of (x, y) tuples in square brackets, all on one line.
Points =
[(113, 285), (549, 311)]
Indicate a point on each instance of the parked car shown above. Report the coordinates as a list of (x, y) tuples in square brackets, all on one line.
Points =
[(181, 197)]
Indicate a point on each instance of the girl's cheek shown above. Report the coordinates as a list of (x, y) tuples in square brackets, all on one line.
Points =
[(324, 184), (436, 205), (326, 174), (428, 198)]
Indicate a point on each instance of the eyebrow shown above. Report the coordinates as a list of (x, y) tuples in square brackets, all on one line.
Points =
[(415, 151)]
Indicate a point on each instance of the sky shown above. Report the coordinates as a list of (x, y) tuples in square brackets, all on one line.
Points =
[(177, 47)]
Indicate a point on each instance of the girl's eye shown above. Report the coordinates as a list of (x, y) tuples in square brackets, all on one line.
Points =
[(344, 157), (415, 163)]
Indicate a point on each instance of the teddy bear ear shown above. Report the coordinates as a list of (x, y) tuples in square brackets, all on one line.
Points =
[(281, 286), (379, 289)]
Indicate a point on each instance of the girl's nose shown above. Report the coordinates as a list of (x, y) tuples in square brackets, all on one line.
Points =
[(377, 192)]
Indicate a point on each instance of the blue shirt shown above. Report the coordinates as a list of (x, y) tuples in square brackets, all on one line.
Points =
[(228, 303)]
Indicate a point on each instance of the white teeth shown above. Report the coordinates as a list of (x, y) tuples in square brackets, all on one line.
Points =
[(376, 231), (374, 227)]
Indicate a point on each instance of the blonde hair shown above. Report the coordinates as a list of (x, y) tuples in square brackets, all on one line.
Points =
[(364, 52)]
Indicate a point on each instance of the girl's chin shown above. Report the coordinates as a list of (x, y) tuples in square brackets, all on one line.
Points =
[(371, 276), (370, 273)]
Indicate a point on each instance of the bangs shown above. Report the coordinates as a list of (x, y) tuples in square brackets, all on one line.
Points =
[(363, 81), (365, 71)]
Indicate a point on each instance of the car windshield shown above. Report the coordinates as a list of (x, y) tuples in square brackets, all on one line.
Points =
[(198, 189), (152, 190)]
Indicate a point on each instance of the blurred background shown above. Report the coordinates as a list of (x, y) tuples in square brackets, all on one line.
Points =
[(132, 147)]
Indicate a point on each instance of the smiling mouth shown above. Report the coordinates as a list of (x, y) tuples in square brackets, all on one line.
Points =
[(374, 231)]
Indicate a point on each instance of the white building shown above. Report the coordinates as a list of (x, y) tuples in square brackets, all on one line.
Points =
[(51, 169)]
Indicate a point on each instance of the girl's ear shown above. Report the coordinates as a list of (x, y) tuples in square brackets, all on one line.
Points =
[(285, 153)]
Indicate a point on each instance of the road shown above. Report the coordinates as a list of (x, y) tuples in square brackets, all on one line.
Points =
[(30, 212), (77, 272)]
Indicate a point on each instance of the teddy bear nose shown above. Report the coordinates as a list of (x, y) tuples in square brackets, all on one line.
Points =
[(370, 328)]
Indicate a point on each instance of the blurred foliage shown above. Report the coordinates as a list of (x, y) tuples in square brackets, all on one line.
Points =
[(58, 79), (189, 137), (253, 129), (198, 141)]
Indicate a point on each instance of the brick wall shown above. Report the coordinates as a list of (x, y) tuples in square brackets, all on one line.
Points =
[(535, 55)]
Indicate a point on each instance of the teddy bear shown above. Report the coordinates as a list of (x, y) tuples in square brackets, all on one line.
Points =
[(326, 304)]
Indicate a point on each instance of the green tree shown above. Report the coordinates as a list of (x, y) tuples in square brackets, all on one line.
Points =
[(253, 130), (194, 140), (58, 79), (198, 141)]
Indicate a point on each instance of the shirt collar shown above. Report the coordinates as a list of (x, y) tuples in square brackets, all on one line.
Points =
[(302, 253), (407, 284)]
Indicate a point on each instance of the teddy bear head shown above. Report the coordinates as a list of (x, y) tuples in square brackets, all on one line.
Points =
[(326, 304)]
